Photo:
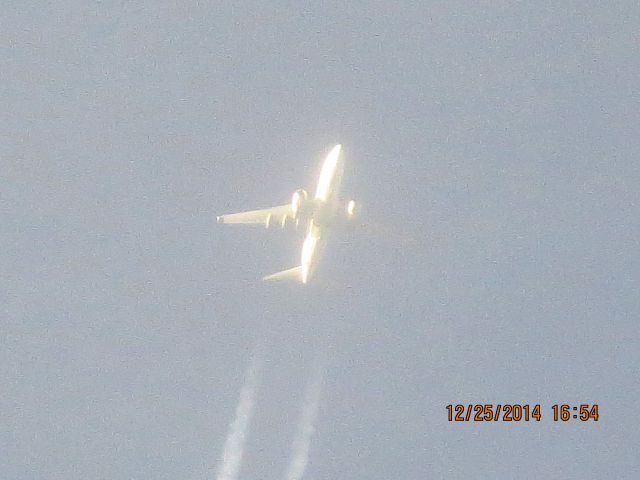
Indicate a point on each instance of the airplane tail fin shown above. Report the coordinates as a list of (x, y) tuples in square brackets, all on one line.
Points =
[(294, 273)]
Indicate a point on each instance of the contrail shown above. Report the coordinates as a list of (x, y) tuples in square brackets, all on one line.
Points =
[(234, 445), (306, 423)]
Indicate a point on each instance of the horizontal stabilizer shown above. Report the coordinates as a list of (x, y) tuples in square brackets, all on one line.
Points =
[(294, 273), (275, 215)]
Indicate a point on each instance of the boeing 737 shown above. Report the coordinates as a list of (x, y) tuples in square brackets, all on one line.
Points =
[(317, 215)]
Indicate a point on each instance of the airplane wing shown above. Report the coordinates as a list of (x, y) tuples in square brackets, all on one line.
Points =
[(294, 273), (267, 216)]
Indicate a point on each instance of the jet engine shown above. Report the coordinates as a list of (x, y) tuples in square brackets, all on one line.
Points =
[(298, 201), (352, 208)]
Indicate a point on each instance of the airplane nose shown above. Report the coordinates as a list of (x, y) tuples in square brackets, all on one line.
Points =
[(220, 219)]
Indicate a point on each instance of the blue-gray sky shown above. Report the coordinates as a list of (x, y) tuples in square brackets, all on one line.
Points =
[(502, 136)]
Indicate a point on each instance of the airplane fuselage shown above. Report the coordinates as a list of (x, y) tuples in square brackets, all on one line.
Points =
[(324, 211)]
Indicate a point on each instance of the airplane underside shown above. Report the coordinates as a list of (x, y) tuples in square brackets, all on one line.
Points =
[(316, 215)]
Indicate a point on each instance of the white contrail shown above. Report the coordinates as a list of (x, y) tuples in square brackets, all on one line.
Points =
[(306, 423), (234, 445)]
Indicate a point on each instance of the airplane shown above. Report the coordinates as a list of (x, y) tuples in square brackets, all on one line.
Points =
[(318, 214)]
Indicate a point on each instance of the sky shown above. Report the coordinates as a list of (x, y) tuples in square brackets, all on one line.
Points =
[(493, 149)]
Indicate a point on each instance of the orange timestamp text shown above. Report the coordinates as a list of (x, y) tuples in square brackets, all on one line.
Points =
[(516, 412)]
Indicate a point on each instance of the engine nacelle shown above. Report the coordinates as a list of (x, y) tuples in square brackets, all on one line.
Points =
[(352, 209), (298, 201)]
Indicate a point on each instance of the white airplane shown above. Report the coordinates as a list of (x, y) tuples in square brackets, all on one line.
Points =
[(318, 214)]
